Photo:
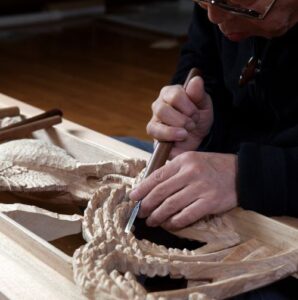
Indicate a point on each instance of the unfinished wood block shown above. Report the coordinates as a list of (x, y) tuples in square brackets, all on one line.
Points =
[(48, 225)]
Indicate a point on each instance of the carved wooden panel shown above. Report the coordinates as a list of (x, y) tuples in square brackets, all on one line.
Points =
[(243, 250)]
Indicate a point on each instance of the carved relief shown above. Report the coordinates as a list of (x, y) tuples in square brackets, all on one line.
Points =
[(243, 250), (30, 166), (229, 264)]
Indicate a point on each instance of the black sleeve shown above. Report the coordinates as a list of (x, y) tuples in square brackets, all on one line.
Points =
[(268, 176)]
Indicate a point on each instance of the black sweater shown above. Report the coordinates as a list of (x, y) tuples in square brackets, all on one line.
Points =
[(258, 121)]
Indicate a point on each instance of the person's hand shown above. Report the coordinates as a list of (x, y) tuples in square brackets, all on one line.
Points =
[(184, 117), (191, 186)]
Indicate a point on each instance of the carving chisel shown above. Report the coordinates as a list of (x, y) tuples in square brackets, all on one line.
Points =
[(157, 160)]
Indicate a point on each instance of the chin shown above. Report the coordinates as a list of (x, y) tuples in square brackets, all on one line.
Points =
[(237, 36), (234, 34)]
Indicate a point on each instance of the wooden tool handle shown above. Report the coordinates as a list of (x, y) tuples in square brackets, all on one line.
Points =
[(9, 112), (162, 150), (25, 129), (47, 114)]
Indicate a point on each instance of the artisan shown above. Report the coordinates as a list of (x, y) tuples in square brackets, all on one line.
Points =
[(241, 114)]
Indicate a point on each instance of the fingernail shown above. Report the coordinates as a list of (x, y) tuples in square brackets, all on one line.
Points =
[(189, 126), (132, 194), (181, 134)]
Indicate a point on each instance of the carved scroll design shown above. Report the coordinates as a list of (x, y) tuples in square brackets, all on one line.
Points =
[(107, 266)]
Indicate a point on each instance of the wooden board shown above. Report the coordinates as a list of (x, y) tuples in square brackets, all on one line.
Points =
[(31, 268)]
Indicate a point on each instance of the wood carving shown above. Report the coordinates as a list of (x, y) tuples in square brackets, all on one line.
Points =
[(232, 262), (243, 250), (34, 166)]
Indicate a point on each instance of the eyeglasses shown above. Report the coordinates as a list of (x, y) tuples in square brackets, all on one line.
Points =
[(238, 9)]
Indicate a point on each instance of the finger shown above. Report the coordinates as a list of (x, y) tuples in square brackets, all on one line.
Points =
[(168, 114), (159, 193), (190, 214), (172, 205), (177, 98), (155, 199), (196, 92), (157, 177), (164, 132)]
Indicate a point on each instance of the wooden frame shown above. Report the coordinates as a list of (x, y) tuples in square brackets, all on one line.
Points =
[(31, 267)]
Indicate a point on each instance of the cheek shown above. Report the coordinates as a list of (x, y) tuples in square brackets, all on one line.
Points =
[(271, 27), (248, 27), (266, 29)]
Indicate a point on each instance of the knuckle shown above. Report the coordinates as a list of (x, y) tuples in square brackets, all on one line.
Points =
[(164, 90), (192, 156), (160, 111), (170, 133), (177, 223), (149, 127), (135, 195), (159, 192), (158, 175), (170, 206), (192, 216), (155, 105), (192, 163), (189, 157), (173, 94)]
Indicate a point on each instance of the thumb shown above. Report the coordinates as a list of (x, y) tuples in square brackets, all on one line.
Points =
[(196, 92)]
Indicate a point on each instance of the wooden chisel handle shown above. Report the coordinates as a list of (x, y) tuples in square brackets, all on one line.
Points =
[(9, 112), (162, 150), (50, 113), (25, 129)]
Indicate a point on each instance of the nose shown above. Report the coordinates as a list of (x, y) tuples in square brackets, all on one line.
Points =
[(217, 15)]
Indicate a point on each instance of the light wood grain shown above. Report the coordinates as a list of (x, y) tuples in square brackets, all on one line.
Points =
[(46, 224), (31, 268)]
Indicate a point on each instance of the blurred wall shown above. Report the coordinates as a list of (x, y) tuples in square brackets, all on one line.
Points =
[(20, 6)]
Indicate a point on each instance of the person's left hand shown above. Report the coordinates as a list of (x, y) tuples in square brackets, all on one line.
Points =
[(191, 186)]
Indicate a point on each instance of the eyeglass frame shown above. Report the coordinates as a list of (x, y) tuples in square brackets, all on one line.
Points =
[(244, 12)]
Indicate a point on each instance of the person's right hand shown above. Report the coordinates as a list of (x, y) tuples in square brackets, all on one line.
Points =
[(182, 116)]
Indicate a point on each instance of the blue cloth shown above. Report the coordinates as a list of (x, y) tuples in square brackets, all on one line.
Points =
[(144, 145)]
